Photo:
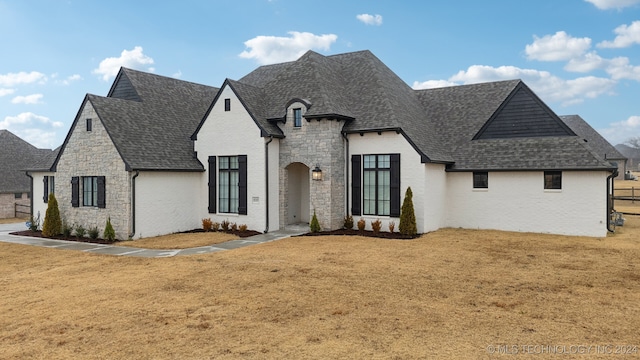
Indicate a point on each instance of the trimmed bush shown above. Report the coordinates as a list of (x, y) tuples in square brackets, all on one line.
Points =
[(207, 224), (80, 231), (315, 225), (66, 229), (215, 226), (234, 227), (242, 227), (392, 226), (109, 234), (225, 225), (348, 222), (93, 233), (34, 223), (376, 226), (361, 224), (407, 215), (52, 225)]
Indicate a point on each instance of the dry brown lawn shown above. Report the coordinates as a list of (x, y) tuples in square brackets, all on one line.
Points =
[(13, 220), (180, 241), (449, 294)]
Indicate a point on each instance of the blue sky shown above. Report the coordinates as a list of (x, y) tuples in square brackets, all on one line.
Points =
[(580, 56)]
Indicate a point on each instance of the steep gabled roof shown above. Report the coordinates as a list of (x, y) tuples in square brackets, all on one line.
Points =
[(150, 119), (599, 144), (16, 157)]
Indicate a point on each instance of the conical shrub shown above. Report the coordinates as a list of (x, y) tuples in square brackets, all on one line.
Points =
[(52, 225), (407, 215), (315, 225)]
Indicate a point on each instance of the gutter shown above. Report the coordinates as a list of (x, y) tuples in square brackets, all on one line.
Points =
[(266, 181), (133, 204)]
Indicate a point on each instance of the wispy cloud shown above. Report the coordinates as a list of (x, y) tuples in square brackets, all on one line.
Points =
[(613, 4), (627, 35), (134, 59), (557, 47), (29, 99), (620, 131), (275, 49), (370, 19), (5, 92), (13, 79)]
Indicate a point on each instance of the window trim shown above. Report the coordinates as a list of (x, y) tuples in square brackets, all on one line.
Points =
[(480, 183), (555, 181)]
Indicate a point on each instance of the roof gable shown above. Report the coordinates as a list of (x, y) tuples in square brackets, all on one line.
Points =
[(122, 88), (523, 114), (17, 156)]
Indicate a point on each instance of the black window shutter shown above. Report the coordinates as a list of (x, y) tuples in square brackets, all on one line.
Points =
[(395, 185), (75, 191), (45, 180), (356, 180), (212, 185), (101, 192), (242, 184)]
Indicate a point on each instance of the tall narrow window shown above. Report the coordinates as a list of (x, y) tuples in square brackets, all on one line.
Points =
[(89, 125), (89, 191), (480, 180), (227, 104), (228, 180), (553, 180), (297, 117), (377, 185), (49, 187)]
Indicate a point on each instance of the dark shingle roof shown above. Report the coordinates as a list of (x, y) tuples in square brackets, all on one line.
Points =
[(599, 144), (16, 157), (150, 119)]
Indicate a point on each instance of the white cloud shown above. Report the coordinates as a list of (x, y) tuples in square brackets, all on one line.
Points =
[(28, 118), (29, 99), (13, 79), (134, 59), (621, 131), (4, 92), (626, 36), (543, 83), (39, 138), (370, 19), (177, 75), (431, 84), (557, 47), (613, 4), (274, 49), (586, 63), (619, 68)]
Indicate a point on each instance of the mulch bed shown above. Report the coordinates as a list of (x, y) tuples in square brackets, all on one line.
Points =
[(368, 233), (238, 233)]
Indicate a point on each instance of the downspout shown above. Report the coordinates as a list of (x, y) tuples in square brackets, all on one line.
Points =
[(30, 189), (266, 180), (610, 203), (346, 176), (133, 204)]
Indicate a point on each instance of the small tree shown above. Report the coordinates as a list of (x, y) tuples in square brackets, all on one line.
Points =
[(52, 221), (315, 225), (109, 234), (407, 215)]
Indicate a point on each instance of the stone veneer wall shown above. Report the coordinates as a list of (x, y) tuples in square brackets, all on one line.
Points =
[(8, 203), (92, 153), (315, 143)]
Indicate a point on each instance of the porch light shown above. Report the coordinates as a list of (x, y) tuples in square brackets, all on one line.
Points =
[(316, 174)]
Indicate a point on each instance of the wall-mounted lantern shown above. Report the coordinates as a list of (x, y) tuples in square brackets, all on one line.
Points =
[(316, 174)]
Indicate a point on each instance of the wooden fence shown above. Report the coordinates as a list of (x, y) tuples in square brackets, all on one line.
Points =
[(631, 194), (22, 211)]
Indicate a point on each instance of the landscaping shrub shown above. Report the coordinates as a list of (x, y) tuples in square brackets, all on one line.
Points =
[(93, 233), (407, 215), (348, 222), (234, 227), (376, 225), (315, 225), (225, 225), (392, 226), (66, 229), (207, 224), (80, 231), (109, 234), (361, 224), (243, 227), (52, 222), (215, 226), (34, 223)]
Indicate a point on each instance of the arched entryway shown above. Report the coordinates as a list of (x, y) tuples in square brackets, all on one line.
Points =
[(297, 189)]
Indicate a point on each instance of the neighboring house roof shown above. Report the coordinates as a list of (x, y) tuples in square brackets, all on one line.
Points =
[(599, 144), (632, 155), (150, 119), (16, 156)]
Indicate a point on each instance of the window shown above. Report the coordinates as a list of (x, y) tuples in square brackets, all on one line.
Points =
[(90, 191), (480, 180), (227, 104), (17, 195), (93, 191), (49, 186), (297, 117), (553, 179), (88, 122), (228, 184)]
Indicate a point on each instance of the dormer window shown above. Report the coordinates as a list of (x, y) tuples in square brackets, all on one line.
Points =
[(88, 123), (297, 118)]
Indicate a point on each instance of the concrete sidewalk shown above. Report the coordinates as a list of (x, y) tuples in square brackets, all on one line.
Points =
[(5, 229)]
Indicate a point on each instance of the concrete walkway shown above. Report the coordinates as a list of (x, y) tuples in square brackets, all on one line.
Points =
[(5, 229)]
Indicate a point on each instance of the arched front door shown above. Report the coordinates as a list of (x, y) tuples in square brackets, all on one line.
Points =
[(297, 189)]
